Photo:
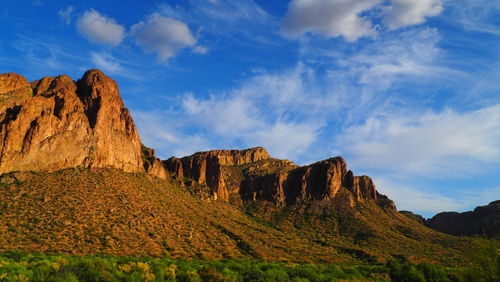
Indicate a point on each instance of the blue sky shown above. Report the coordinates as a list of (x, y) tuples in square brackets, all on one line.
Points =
[(407, 92)]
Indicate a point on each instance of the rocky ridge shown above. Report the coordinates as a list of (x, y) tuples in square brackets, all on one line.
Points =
[(252, 175), (482, 221), (56, 123)]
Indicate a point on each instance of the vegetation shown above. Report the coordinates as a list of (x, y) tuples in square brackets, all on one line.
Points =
[(102, 212), (21, 266)]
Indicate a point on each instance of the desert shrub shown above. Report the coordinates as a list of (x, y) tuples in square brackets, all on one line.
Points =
[(20, 266)]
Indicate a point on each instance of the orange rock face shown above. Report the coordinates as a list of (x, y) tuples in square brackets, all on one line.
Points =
[(260, 179), (55, 123), (319, 181), (205, 167)]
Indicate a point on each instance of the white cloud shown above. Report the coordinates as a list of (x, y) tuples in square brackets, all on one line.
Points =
[(100, 29), (331, 18), (200, 50), (445, 144), (355, 19), (66, 14), (227, 116), (263, 111), (401, 13), (163, 35)]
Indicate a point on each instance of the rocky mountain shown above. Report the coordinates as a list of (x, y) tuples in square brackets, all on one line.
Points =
[(251, 175), (55, 123), (482, 221), (76, 179)]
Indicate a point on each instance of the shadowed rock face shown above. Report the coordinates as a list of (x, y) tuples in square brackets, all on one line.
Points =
[(55, 123), (483, 221)]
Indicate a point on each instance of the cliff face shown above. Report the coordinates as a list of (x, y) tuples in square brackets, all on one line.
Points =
[(253, 175), (206, 167), (483, 221), (55, 123)]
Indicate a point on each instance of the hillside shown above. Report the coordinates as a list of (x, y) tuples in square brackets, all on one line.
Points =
[(77, 180), (89, 211)]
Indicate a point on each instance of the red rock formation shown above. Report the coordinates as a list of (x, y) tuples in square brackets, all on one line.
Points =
[(260, 181), (55, 123), (205, 167), (65, 124)]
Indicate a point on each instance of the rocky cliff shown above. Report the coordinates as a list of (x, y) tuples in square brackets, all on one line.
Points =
[(55, 123), (482, 221), (252, 175)]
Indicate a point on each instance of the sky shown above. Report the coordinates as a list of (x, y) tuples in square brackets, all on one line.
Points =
[(407, 91)]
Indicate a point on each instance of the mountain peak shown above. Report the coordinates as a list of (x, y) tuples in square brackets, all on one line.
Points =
[(64, 124)]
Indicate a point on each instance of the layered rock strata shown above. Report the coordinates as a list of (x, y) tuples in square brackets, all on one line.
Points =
[(55, 123)]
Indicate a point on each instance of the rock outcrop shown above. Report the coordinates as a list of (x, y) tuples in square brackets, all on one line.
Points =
[(55, 123), (152, 164), (206, 167), (253, 175), (483, 221)]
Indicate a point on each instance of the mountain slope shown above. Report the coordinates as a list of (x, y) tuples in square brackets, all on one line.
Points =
[(72, 143), (82, 211)]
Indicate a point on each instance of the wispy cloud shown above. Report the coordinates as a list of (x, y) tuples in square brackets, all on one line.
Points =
[(164, 132), (107, 63), (443, 144), (201, 50), (402, 13), (477, 15), (66, 14)]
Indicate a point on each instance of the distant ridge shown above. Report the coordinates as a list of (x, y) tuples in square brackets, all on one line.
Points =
[(482, 221)]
